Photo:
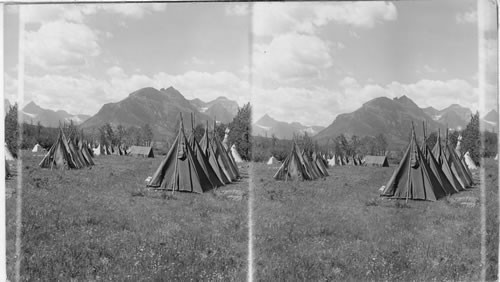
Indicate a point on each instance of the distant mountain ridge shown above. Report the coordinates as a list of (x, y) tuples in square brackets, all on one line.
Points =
[(455, 116), (34, 113), (490, 121), (158, 108), (267, 126), (392, 117), (222, 109)]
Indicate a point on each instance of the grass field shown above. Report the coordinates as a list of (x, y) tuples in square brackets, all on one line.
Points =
[(102, 224), (338, 228)]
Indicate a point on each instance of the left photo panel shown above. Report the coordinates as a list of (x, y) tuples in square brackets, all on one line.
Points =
[(127, 136)]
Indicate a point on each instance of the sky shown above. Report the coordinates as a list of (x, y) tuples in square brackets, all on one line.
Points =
[(296, 61)]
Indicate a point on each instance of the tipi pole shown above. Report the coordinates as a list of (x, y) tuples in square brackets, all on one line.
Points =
[(408, 184)]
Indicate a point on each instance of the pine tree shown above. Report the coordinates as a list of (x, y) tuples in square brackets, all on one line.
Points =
[(12, 130), (471, 140), (240, 134)]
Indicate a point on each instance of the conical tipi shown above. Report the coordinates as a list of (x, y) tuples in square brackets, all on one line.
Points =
[(293, 167), (414, 179), (180, 170), (443, 163), (60, 155)]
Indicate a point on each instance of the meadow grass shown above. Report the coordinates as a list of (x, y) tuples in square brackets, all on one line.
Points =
[(103, 224), (338, 228)]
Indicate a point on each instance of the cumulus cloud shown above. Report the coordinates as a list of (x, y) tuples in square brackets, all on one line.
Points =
[(466, 17), (270, 19), (10, 88), (77, 12), (292, 56), (309, 106), (237, 9), (61, 45), (75, 94), (61, 40)]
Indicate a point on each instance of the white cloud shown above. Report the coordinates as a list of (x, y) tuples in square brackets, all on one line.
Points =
[(237, 9), (426, 69), (77, 12), (199, 62), (75, 94), (307, 106), (271, 19), (292, 56), (10, 88), (132, 10), (466, 17), (61, 45)]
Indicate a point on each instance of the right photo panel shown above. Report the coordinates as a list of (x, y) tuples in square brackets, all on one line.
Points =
[(375, 132)]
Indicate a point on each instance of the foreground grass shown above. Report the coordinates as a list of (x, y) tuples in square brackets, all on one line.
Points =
[(102, 224), (492, 222), (338, 228)]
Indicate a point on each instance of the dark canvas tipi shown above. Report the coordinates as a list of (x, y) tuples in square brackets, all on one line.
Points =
[(320, 163), (448, 166), (461, 171), (180, 170), (60, 155), (293, 167), (414, 179), (207, 149), (203, 160), (223, 158)]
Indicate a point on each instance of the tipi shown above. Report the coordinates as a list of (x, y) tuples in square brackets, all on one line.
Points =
[(37, 148), (61, 155), (320, 163), (180, 170), (8, 154), (293, 167), (468, 161), (414, 179), (445, 166), (331, 162), (236, 156), (209, 153), (223, 158), (272, 160)]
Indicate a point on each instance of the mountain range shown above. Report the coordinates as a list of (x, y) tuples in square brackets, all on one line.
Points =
[(267, 126), (34, 113), (222, 109), (455, 116), (490, 121), (392, 117), (160, 109)]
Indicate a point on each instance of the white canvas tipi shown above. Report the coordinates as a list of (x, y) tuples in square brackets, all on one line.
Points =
[(97, 151), (236, 156), (8, 154), (469, 162), (331, 162), (272, 160), (37, 148)]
